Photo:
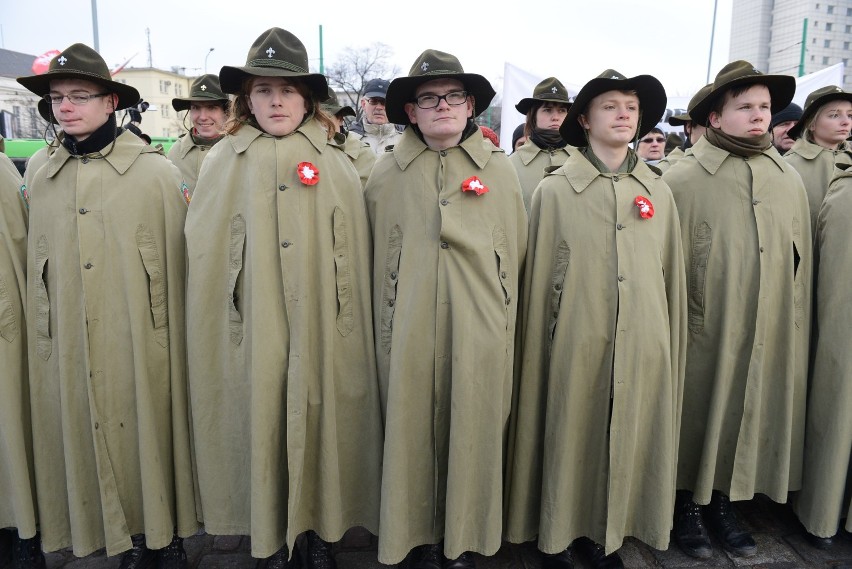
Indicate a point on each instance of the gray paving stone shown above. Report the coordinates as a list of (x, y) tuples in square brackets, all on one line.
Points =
[(94, 561), (227, 542), (770, 550), (227, 561)]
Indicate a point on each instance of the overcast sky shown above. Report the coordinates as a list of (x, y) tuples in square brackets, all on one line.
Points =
[(573, 40)]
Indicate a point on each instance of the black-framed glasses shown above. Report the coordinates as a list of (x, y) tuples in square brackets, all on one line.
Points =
[(376, 101), (454, 98), (649, 140), (75, 98)]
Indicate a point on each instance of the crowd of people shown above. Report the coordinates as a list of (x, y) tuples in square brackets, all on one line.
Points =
[(289, 327)]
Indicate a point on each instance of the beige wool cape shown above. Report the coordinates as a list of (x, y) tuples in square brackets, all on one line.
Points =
[(17, 496), (815, 164), (530, 163), (105, 299), (446, 269), (826, 494), (285, 400), (747, 244), (188, 156), (604, 345)]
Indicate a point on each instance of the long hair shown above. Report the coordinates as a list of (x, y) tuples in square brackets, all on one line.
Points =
[(240, 113)]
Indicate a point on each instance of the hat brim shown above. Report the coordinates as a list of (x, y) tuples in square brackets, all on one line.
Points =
[(401, 90), (812, 109), (679, 120), (40, 85), (524, 105), (782, 88), (183, 104), (345, 111), (652, 104), (231, 79)]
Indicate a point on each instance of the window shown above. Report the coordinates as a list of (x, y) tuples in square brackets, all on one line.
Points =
[(827, 43), (816, 23), (814, 41), (164, 111), (828, 26), (178, 90), (812, 58), (825, 60), (165, 132), (830, 9), (849, 12), (846, 45), (849, 28), (164, 88)]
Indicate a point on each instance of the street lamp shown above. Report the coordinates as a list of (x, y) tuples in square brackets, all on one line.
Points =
[(205, 59)]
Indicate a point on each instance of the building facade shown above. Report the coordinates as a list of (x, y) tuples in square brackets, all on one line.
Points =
[(158, 87), (770, 34), (19, 116)]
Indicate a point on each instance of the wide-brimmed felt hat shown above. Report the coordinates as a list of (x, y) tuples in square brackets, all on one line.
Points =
[(204, 89), (79, 61), (649, 90), (550, 90), (813, 103), (741, 73), (275, 53), (430, 65), (332, 105), (683, 118)]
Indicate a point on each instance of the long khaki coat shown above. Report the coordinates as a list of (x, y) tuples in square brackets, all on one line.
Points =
[(530, 163), (285, 400), (671, 159), (826, 494), (747, 244), (188, 156), (105, 299), (604, 345), (446, 271), (17, 496), (815, 164)]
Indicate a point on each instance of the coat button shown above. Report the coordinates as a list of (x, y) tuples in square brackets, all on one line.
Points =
[(558, 287), (503, 274), (615, 178), (85, 160), (88, 265), (621, 278), (282, 187), (390, 302), (508, 301), (83, 210), (619, 227), (755, 202), (285, 244), (393, 275), (445, 245), (443, 153), (761, 249), (445, 202)]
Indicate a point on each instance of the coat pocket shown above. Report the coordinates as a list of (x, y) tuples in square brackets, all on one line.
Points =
[(389, 286), (504, 270), (235, 267), (9, 326), (701, 241), (44, 343), (557, 285), (798, 280), (156, 283), (345, 320)]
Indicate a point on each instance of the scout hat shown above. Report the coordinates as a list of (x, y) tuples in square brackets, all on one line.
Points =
[(652, 102), (81, 62), (275, 53), (204, 89), (741, 74), (332, 105), (683, 118), (376, 88), (549, 90), (433, 64), (813, 103)]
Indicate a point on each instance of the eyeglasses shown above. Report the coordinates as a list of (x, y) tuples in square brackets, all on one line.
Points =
[(649, 140), (454, 98), (376, 101), (75, 98)]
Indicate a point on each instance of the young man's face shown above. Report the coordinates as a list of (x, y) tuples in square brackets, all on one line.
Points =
[(780, 138), (747, 115), (611, 119), (652, 146), (277, 105), (374, 110), (441, 126), (80, 121), (207, 118)]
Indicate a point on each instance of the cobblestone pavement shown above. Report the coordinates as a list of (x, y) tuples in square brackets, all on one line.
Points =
[(779, 536)]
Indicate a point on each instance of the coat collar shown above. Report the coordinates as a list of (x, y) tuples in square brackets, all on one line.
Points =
[(711, 157), (530, 150), (311, 129), (410, 147), (127, 148), (581, 173), (809, 150)]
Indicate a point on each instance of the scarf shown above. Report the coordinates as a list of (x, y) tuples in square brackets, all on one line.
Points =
[(97, 141), (626, 167), (547, 139), (204, 141), (738, 145)]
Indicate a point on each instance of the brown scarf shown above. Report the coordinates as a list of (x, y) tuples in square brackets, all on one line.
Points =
[(741, 146)]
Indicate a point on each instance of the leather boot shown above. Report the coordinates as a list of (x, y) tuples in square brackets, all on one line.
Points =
[(27, 554), (319, 553), (279, 560), (7, 541), (818, 542), (723, 522), (561, 560), (427, 556), (172, 556), (595, 554), (463, 561), (138, 556), (690, 533)]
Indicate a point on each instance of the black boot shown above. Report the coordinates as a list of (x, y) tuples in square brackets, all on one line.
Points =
[(562, 560), (723, 522), (690, 533), (279, 560), (172, 556), (595, 554), (7, 542), (319, 553), (27, 554), (818, 542), (138, 556), (463, 561), (427, 556)]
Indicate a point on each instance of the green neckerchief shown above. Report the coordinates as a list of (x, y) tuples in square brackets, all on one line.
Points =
[(626, 167), (739, 145)]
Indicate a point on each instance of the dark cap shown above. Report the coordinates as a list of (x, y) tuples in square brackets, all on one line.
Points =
[(791, 112), (376, 88)]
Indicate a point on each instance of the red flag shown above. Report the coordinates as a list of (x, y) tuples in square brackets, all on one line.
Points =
[(42, 62)]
